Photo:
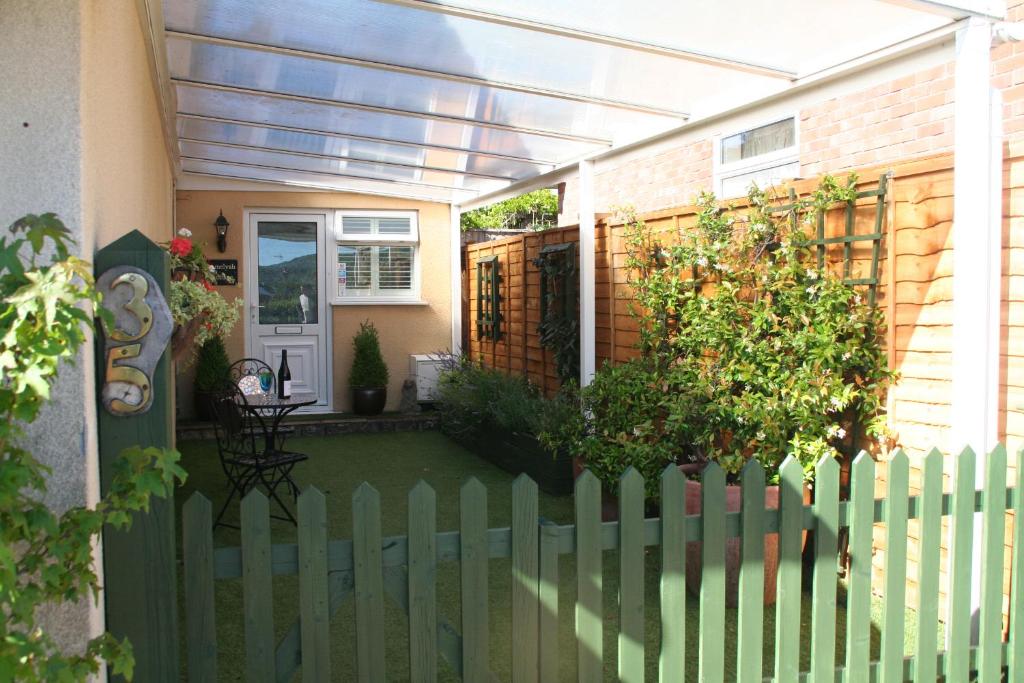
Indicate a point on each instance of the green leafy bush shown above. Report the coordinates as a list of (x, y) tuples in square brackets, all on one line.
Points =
[(45, 309), (749, 349), (368, 368), (472, 398), (537, 210), (212, 365)]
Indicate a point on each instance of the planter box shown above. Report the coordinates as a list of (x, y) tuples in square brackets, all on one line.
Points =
[(518, 453)]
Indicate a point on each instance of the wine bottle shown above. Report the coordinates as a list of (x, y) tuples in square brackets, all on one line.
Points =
[(284, 377)]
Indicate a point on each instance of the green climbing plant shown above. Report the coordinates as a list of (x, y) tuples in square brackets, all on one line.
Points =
[(47, 301)]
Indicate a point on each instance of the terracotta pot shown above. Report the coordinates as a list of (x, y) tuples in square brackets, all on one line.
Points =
[(732, 545), (369, 401)]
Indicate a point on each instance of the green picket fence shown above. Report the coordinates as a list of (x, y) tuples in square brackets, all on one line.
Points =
[(404, 568)]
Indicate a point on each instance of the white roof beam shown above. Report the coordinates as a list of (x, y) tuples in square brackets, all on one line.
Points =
[(364, 138), (427, 73), (345, 157), (601, 38), (957, 9), (333, 187), (430, 116), (329, 174)]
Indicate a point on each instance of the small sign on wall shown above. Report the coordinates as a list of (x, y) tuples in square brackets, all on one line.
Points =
[(225, 271)]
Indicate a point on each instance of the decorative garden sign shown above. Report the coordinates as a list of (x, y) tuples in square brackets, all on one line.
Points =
[(142, 329)]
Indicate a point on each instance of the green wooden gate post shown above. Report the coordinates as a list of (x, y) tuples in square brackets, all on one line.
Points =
[(140, 586)]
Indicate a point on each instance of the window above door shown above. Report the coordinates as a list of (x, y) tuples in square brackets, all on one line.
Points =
[(377, 258)]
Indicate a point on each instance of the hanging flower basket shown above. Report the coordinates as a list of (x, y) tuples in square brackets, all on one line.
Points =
[(198, 309)]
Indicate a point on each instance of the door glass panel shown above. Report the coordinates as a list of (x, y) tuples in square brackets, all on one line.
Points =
[(287, 279)]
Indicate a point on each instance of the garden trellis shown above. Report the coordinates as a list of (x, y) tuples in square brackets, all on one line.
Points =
[(370, 568)]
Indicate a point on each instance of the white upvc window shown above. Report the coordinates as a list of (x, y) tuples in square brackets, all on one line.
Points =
[(766, 155), (377, 257)]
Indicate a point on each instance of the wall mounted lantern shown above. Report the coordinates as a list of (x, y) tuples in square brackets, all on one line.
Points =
[(222, 232)]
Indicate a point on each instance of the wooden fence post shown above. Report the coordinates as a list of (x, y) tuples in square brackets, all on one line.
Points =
[(140, 585)]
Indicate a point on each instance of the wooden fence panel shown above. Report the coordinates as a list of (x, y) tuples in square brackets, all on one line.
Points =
[(826, 548), (258, 604), (525, 574), (750, 626), (200, 623), (404, 568), (589, 591), (712, 578), (858, 596), (369, 584), (787, 606), (422, 584), (473, 572), (314, 606), (631, 577), (673, 576)]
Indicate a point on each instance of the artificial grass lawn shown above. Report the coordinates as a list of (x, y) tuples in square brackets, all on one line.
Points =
[(393, 463)]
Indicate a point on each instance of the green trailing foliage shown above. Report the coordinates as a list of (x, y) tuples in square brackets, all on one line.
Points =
[(47, 299), (537, 210), (212, 365), (368, 368), (747, 349)]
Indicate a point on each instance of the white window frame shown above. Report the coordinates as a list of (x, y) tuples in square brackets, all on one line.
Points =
[(340, 239), (762, 162)]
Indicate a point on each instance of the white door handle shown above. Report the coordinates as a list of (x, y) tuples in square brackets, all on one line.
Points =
[(253, 308)]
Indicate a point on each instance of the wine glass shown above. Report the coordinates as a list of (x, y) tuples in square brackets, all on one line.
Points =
[(266, 379)]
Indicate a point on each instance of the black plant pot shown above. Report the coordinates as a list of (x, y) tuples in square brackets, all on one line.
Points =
[(204, 406), (369, 401)]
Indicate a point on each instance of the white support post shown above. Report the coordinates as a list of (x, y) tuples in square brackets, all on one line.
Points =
[(588, 300), (455, 246), (977, 232)]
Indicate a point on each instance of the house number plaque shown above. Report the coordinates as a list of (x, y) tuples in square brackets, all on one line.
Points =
[(142, 328)]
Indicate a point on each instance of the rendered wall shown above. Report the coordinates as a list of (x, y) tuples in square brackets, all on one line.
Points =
[(80, 136), (404, 329), (127, 176)]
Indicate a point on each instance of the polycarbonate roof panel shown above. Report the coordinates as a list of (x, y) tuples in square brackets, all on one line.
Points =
[(320, 181), (454, 98), (775, 34), (355, 148), (268, 159), (313, 78), (334, 118), (407, 36)]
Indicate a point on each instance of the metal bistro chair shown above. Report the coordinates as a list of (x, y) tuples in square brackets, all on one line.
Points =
[(246, 465), (246, 374)]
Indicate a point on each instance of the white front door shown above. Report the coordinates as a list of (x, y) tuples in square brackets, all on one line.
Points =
[(286, 295)]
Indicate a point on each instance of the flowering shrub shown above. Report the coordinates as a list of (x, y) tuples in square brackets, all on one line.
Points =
[(749, 349)]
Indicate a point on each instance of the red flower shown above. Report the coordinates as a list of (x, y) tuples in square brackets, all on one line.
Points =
[(209, 287), (180, 246)]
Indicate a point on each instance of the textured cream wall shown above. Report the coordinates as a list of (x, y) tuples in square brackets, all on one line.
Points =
[(127, 181), (403, 329), (81, 132)]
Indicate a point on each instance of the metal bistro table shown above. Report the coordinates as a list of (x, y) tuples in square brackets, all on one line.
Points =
[(269, 410)]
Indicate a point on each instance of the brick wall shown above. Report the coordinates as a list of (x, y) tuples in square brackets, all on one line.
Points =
[(894, 121), (672, 178)]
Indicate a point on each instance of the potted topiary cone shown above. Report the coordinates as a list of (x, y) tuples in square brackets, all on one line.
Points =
[(212, 370), (369, 376)]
